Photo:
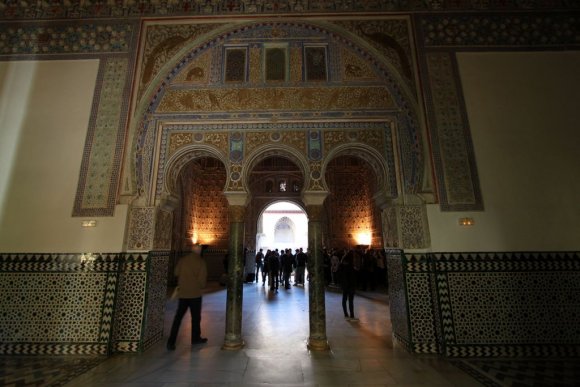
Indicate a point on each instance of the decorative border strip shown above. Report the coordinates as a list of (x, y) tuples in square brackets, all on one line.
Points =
[(54, 349), (452, 147), (561, 351), (123, 9), (500, 30)]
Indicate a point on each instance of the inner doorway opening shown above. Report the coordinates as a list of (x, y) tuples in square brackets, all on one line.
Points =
[(282, 225)]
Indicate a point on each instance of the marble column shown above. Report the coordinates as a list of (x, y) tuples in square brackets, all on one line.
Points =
[(233, 335), (317, 340)]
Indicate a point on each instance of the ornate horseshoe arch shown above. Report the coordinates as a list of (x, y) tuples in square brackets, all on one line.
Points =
[(177, 161), (366, 153), (281, 150)]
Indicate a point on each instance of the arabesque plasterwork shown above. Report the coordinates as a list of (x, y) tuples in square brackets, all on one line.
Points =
[(373, 138), (162, 42), (296, 140), (288, 98)]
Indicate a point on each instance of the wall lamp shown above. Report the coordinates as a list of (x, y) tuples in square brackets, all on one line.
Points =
[(466, 222)]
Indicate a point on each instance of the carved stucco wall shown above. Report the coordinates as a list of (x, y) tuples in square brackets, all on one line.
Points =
[(368, 85), (437, 35), (194, 89)]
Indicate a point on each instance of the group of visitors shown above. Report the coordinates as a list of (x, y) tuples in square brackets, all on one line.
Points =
[(350, 269), (277, 266), (370, 266)]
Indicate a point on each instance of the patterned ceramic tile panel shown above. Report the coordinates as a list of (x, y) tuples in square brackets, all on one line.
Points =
[(156, 297), (141, 228), (413, 227), (398, 296), (60, 304), (420, 303), (487, 304), (509, 304), (81, 303)]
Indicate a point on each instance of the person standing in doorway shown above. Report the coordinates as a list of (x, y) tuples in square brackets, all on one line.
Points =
[(348, 279), (259, 264), (274, 267), (191, 273), (287, 266), (301, 261)]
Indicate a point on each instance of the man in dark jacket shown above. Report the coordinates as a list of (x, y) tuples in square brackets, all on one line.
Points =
[(274, 270), (191, 273)]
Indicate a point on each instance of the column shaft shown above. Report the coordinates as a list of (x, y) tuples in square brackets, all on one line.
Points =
[(316, 290), (233, 338)]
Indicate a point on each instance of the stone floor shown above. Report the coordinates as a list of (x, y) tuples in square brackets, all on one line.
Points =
[(275, 329)]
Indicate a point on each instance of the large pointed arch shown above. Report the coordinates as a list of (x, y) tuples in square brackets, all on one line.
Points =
[(410, 122)]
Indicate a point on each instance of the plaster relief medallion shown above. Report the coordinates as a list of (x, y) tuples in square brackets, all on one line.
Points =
[(275, 136), (198, 137), (352, 136), (235, 176)]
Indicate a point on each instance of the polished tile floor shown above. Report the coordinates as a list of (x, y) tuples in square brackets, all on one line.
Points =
[(275, 329)]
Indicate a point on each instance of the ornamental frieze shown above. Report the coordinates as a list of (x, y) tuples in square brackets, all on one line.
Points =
[(74, 9), (97, 37), (373, 138), (291, 98), (504, 30), (180, 139), (296, 140)]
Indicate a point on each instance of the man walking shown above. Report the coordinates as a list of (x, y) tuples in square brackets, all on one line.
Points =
[(191, 273)]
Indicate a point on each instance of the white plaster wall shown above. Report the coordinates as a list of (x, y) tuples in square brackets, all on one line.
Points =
[(44, 114), (524, 114)]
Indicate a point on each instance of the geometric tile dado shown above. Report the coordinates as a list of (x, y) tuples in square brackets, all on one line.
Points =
[(73, 303), (489, 304)]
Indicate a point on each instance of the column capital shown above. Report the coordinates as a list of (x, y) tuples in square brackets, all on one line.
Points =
[(237, 198), (314, 198)]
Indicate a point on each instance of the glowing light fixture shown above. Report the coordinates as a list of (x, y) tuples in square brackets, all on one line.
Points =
[(363, 238), (89, 223), (466, 222)]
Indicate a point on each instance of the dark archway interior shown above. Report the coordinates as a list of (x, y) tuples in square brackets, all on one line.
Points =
[(352, 217)]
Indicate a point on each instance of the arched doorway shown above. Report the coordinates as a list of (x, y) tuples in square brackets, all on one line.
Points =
[(282, 225), (352, 216), (272, 179), (201, 213)]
